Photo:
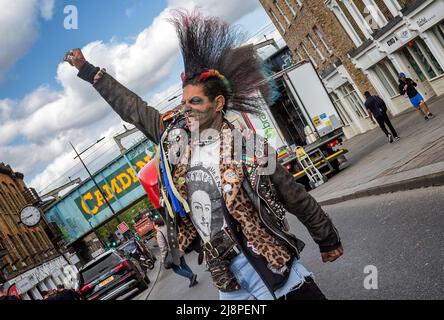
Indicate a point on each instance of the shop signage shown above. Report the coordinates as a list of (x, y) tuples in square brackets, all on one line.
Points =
[(398, 39)]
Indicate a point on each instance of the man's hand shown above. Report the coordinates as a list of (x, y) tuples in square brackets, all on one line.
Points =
[(406, 87), (332, 255), (75, 58)]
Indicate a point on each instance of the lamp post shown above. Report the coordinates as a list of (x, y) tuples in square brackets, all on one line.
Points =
[(78, 155)]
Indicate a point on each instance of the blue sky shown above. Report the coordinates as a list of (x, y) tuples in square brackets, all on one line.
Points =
[(44, 106), (39, 65)]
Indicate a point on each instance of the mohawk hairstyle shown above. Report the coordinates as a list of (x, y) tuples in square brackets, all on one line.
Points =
[(208, 43)]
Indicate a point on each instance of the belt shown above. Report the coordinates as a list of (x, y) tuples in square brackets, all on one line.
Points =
[(222, 246)]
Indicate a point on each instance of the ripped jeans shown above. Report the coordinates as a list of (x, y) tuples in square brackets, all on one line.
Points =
[(253, 288)]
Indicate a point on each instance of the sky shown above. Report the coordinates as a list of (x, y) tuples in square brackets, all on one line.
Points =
[(44, 105)]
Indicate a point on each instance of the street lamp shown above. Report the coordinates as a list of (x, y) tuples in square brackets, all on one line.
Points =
[(78, 155)]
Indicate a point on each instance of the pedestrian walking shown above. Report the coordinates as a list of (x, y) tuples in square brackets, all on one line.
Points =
[(233, 210), (182, 269), (377, 110), (407, 85)]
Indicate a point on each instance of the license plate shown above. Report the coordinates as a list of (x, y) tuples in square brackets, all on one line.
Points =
[(105, 282)]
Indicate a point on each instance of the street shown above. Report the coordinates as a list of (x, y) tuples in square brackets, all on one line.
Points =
[(401, 234)]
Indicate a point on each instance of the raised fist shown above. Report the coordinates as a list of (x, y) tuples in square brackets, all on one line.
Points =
[(75, 58)]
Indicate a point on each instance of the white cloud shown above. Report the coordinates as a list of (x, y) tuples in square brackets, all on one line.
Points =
[(47, 9), (46, 120), (18, 25)]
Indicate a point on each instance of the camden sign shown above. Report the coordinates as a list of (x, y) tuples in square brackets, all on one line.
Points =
[(117, 184), (85, 207)]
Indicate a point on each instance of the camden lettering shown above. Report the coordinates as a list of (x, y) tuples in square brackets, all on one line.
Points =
[(120, 183)]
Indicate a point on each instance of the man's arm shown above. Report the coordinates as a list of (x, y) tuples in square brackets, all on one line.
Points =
[(300, 203), (369, 111), (130, 107), (413, 83), (402, 89)]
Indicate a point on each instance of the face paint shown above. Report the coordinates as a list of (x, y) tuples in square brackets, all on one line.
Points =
[(198, 108)]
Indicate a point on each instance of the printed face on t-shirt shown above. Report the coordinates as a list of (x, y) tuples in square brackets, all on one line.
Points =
[(201, 207)]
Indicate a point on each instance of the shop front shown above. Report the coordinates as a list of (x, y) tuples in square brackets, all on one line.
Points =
[(414, 46), (45, 277), (348, 101)]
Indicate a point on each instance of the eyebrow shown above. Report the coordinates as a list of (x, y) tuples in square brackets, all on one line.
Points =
[(195, 97)]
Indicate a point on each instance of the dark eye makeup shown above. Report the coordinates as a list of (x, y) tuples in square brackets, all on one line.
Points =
[(196, 100)]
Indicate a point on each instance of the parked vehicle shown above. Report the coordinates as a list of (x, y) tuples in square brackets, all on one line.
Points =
[(302, 116), (140, 252), (110, 276)]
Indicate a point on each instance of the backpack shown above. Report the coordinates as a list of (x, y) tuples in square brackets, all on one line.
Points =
[(381, 103)]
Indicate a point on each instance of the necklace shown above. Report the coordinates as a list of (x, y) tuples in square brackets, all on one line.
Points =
[(206, 142)]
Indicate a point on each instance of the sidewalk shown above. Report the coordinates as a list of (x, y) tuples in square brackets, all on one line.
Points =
[(377, 167)]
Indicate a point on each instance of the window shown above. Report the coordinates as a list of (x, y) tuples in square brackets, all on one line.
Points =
[(38, 244), (353, 99), (357, 15), (290, 6), (346, 21), (3, 207), (342, 112), (282, 12), (385, 10), (15, 252), (304, 48), (30, 243), (387, 74), (322, 39), (373, 15), (17, 195), (15, 198), (9, 200), (44, 239), (438, 30), (425, 59), (393, 6), (25, 248), (299, 55), (277, 21), (315, 47)]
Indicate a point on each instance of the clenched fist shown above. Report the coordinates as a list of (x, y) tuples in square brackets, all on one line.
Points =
[(332, 255), (75, 58)]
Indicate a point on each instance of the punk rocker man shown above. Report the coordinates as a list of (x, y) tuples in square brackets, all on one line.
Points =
[(229, 210)]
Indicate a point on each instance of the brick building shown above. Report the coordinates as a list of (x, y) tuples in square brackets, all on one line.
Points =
[(360, 45), (23, 249)]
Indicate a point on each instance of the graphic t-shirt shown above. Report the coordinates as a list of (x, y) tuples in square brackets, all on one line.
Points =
[(204, 190)]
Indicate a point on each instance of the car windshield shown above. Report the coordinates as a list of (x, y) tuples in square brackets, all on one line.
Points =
[(100, 267), (130, 246)]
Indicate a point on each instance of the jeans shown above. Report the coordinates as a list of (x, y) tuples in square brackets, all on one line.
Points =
[(384, 119), (252, 286), (183, 269), (308, 291)]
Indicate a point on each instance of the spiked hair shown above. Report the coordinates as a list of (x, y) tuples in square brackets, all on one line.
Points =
[(215, 57)]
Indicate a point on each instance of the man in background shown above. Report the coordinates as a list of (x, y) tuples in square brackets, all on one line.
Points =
[(378, 111), (407, 85)]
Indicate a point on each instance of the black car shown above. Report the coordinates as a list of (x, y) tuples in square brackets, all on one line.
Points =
[(140, 252), (110, 276)]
